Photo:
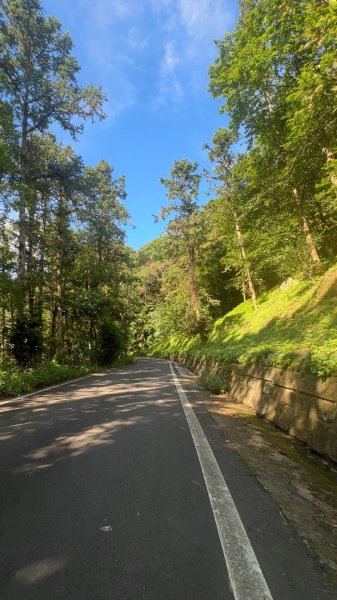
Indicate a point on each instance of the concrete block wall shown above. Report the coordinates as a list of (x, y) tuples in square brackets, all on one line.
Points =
[(302, 405)]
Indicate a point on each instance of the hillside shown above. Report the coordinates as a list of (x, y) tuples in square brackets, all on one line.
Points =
[(293, 328)]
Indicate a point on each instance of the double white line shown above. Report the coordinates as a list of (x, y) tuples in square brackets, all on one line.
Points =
[(246, 577)]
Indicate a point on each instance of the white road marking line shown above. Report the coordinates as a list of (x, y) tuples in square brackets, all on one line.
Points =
[(244, 571)]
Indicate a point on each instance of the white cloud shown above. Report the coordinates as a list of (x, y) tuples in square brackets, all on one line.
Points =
[(170, 92), (111, 41), (171, 59), (204, 19), (191, 26), (169, 40), (105, 12), (135, 40), (200, 19)]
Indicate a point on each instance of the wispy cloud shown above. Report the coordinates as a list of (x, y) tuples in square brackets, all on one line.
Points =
[(136, 40), (103, 13), (190, 26), (204, 19), (171, 58), (169, 41), (113, 42)]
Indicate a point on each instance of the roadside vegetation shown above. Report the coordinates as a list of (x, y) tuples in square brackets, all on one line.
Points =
[(66, 272), (73, 294), (14, 382), (215, 383), (292, 329), (215, 285)]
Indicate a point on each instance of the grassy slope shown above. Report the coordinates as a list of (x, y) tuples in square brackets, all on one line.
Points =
[(292, 329)]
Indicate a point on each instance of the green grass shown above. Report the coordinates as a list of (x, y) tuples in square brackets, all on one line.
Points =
[(294, 329), (15, 382), (214, 382)]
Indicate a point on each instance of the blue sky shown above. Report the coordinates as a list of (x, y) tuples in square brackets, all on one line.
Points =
[(151, 57)]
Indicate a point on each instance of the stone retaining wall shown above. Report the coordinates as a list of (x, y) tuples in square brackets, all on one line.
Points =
[(302, 405)]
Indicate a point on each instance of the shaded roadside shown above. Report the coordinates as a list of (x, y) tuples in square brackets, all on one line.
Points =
[(303, 484)]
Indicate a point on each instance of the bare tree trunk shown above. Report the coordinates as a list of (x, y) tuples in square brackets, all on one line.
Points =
[(23, 165), (22, 211), (59, 300), (44, 202), (305, 226), (52, 333), (3, 329), (3, 320), (251, 287), (243, 288), (30, 276), (59, 318), (3, 303)]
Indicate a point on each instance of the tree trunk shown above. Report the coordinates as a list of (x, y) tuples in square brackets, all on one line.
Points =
[(30, 276), (59, 299), (3, 329), (305, 226), (329, 158), (59, 319), (193, 280), (243, 255), (23, 165), (22, 211), (4, 241), (243, 288), (3, 320), (44, 202)]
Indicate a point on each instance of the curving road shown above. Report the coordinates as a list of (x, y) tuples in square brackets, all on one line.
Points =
[(120, 487)]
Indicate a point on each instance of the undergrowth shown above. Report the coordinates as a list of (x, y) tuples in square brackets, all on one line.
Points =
[(218, 384), (293, 329), (17, 381)]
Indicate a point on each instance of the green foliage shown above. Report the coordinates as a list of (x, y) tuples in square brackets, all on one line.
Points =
[(183, 305), (39, 74), (276, 73), (272, 214), (26, 339), (14, 382), (17, 382), (214, 382), (292, 329), (182, 193), (111, 343), (70, 269)]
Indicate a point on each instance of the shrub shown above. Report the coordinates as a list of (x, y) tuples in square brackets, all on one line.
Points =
[(111, 343), (214, 382), (26, 338), (17, 382)]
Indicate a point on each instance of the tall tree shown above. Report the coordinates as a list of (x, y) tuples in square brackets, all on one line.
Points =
[(256, 72), (223, 159), (102, 210), (182, 193), (39, 80), (101, 268)]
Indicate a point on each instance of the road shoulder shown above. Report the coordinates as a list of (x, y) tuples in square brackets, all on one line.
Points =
[(303, 485)]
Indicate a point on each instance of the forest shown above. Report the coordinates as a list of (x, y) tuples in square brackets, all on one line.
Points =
[(73, 295)]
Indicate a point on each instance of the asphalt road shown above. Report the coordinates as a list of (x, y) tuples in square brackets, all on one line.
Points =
[(121, 487)]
